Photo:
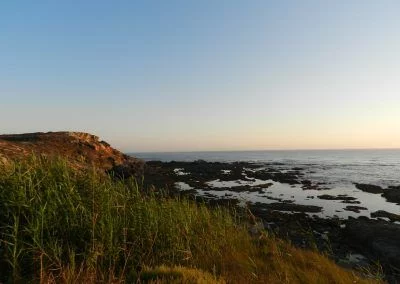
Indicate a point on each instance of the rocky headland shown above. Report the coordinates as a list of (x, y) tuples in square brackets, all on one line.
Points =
[(82, 150)]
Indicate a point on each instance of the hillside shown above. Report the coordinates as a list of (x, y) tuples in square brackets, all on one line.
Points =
[(62, 223), (82, 150)]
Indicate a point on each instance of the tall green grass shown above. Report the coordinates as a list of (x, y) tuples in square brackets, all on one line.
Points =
[(62, 225)]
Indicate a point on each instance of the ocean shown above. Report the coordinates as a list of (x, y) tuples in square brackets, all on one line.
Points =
[(339, 169)]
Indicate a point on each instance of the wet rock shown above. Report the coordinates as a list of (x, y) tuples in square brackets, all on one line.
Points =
[(308, 185), (369, 188), (333, 197), (288, 178), (355, 208), (265, 185), (274, 198), (351, 201), (384, 214), (238, 188), (392, 194), (261, 174), (394, 187)]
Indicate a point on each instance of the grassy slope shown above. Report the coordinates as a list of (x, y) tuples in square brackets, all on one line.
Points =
[(61, 226)]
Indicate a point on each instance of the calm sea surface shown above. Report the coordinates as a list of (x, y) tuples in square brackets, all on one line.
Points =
[(340, 169)]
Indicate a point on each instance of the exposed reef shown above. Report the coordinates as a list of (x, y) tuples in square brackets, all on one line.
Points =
[(392, 193)]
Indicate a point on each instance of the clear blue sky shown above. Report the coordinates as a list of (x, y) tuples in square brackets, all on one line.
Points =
[(204, 75)]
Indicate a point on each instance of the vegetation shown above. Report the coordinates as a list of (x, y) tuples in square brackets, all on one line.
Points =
[(61, 225)]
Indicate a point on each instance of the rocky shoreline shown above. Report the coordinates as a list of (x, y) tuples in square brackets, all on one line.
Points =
[(283, 198), (352, 242)]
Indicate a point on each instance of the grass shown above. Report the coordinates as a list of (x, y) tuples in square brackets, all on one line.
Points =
[(59, 225)]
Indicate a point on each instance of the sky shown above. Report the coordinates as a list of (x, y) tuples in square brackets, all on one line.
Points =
[(204, 74)]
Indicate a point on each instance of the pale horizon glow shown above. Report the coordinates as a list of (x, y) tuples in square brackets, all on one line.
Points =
[(204, 75)]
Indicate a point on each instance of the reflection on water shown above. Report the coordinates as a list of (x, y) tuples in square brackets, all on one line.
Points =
[(340, 169), (294, 193)]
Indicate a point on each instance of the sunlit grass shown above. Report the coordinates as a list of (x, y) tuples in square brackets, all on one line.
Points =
[(61, 225)]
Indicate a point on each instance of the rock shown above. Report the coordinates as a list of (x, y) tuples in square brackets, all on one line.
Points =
[(384, 214), (274, 198), (354, 208), (289, 207), (392, 194), (394, 187), (354, 261), (339, 197), (241, 188), (133, 168), (308, 185), (265, 185), (289, 177), (369, 188), (378, 238), (351, 201), (213, 201)]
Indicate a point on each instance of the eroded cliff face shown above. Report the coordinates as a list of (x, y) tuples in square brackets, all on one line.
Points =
[(82, 150)]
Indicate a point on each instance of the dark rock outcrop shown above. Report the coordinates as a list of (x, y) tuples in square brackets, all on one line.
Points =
[(384, 214), (354, 208), (338, 197), (369, 188), (288, 207), (392, 194), (380, 239)]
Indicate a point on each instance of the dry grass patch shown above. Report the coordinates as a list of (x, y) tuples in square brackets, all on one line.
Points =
[(62, 226)]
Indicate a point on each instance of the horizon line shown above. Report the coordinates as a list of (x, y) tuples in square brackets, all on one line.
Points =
[(265, 150)]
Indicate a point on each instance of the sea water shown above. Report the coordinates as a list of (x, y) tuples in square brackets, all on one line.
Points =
[(339, 169)]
